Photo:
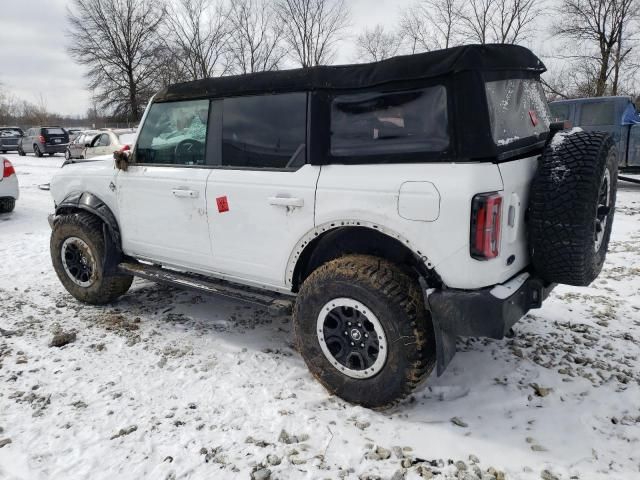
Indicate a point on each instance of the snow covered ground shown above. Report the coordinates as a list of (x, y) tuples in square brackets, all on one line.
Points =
[(167, 384)]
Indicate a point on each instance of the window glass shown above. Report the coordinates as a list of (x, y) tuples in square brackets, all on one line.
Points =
[(598, 113), (53, 131), (174, 133), (105, 140), (266, 131), (127, 138), (394, 122), (517, 109), (559, 111), (10, 132)]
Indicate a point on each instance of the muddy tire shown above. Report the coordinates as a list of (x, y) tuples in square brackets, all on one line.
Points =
[(362, 328), (7, 204), (77, 253), (571, 209)]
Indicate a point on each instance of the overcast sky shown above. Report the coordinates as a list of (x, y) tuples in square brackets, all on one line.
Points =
[(34, 60)]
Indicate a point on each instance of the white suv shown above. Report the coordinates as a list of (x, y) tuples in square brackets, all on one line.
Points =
[(399, 204)]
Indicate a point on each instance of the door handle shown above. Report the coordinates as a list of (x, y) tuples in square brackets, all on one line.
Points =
[(183, 193), (286, 201)]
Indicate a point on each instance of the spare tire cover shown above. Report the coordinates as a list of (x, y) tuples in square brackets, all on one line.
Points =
[(571, 207)]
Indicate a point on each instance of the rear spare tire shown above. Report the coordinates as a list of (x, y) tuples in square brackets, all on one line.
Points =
[(362, 328), (571, 208)]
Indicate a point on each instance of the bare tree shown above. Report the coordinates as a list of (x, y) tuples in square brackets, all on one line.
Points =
[(117, 41), (431, 24), (255, 43), (499, 21), (604, 30), (197, 35), (375, 44), (311, 28)]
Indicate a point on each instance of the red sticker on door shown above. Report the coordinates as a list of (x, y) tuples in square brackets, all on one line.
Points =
[(223, 204), (534, 117)]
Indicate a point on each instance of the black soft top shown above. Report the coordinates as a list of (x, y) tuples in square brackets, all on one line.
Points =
[(407, 68)]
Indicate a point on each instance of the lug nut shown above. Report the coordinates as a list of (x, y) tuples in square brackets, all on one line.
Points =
[(352, 344)]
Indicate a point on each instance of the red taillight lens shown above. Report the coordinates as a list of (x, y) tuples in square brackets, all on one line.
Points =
[(42, 139), (7, 169), (486, 213), (125, 148)]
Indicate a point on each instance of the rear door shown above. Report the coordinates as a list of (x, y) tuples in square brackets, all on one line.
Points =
[(162, 200), (55, 136), (261, 198)]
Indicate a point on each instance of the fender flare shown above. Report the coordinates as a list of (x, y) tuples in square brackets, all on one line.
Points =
[(88, 202)]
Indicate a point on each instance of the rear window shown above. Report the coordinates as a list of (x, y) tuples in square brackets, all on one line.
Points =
[(127, 138), (10, 132), (517, 109), (53, 131), (598, 113), (392, 122)]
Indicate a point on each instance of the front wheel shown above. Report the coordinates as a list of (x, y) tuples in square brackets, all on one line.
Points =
[(77, 253), (362, 328)]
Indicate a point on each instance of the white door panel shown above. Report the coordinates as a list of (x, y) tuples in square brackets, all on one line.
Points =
[(268, 211), (163, 214)]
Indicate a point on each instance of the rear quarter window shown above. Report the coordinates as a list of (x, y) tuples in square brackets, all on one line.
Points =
[(518, 109), (390, 122)]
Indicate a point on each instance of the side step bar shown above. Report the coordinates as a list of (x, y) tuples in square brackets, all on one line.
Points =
[(204, 284)]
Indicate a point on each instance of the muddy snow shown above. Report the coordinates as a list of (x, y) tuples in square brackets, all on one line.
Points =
[(167, 384)]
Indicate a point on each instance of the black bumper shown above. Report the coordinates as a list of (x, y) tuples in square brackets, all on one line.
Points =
[(488, 312), (54, 148)]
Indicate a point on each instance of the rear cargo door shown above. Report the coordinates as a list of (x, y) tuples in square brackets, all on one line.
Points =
[(55, 136)]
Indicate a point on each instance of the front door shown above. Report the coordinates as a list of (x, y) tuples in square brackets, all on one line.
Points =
[(261, 198), (162, 198)]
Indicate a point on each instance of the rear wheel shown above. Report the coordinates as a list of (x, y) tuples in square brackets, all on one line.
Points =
[(7, 204), (67, 154), (77, 253), (362, 328), (36, 150), (51, 154), (21, 151)]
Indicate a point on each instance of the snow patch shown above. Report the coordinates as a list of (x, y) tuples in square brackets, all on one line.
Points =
[(559, 138)]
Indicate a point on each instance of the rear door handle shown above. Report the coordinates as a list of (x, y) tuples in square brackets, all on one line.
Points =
[(183, 193), (286, 201)]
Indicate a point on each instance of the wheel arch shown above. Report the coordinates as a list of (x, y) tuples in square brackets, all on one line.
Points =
[(90, 203), (335, 239)]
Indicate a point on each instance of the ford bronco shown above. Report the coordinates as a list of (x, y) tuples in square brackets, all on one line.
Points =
[(397, 205)]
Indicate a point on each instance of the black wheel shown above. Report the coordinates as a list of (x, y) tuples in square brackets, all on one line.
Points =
[(36, 150), (7, 204), (571, 209), (77, 252), (67, 154), (51, 154), (4, 151), (362, 328), (21, 151)]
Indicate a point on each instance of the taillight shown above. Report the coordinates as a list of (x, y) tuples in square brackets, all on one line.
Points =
[(125, 148), (7, 169), (486, 213), (41, 138)]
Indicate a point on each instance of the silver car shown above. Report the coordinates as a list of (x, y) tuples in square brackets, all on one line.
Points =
[(109, 141), (79, 144)]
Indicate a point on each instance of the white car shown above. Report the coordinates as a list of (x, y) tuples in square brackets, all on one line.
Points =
[(398, 205), (9, 188), (109, 141)]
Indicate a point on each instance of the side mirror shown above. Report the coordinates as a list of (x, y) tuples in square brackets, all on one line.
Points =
[(122, 159)]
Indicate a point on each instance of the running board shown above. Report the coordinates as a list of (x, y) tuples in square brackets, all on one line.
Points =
[(209, 285)]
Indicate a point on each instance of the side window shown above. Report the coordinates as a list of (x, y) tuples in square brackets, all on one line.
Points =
[(174, 133), (559, 111), (387, 123), (104, 140), (598, 113), (96, 141), (266, 131)]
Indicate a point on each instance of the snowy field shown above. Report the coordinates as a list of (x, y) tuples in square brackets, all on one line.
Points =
[(167, 384)]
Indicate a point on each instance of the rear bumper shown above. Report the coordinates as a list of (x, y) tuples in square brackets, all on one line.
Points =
[(9, 187), (54, 148), (8, 146), (488, 312)]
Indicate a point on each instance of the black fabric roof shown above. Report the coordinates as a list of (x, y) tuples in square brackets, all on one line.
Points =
[(420, 66)]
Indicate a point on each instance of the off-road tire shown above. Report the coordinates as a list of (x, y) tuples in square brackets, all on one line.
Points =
[(7, 204), (36, 151), (398, 304), (88, 228), (564, 204)]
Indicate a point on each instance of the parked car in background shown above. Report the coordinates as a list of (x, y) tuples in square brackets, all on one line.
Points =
[(9, 189), (110, 141), (74, 132), (615, 115), (78, 145), (9, 138), (44, 140)]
